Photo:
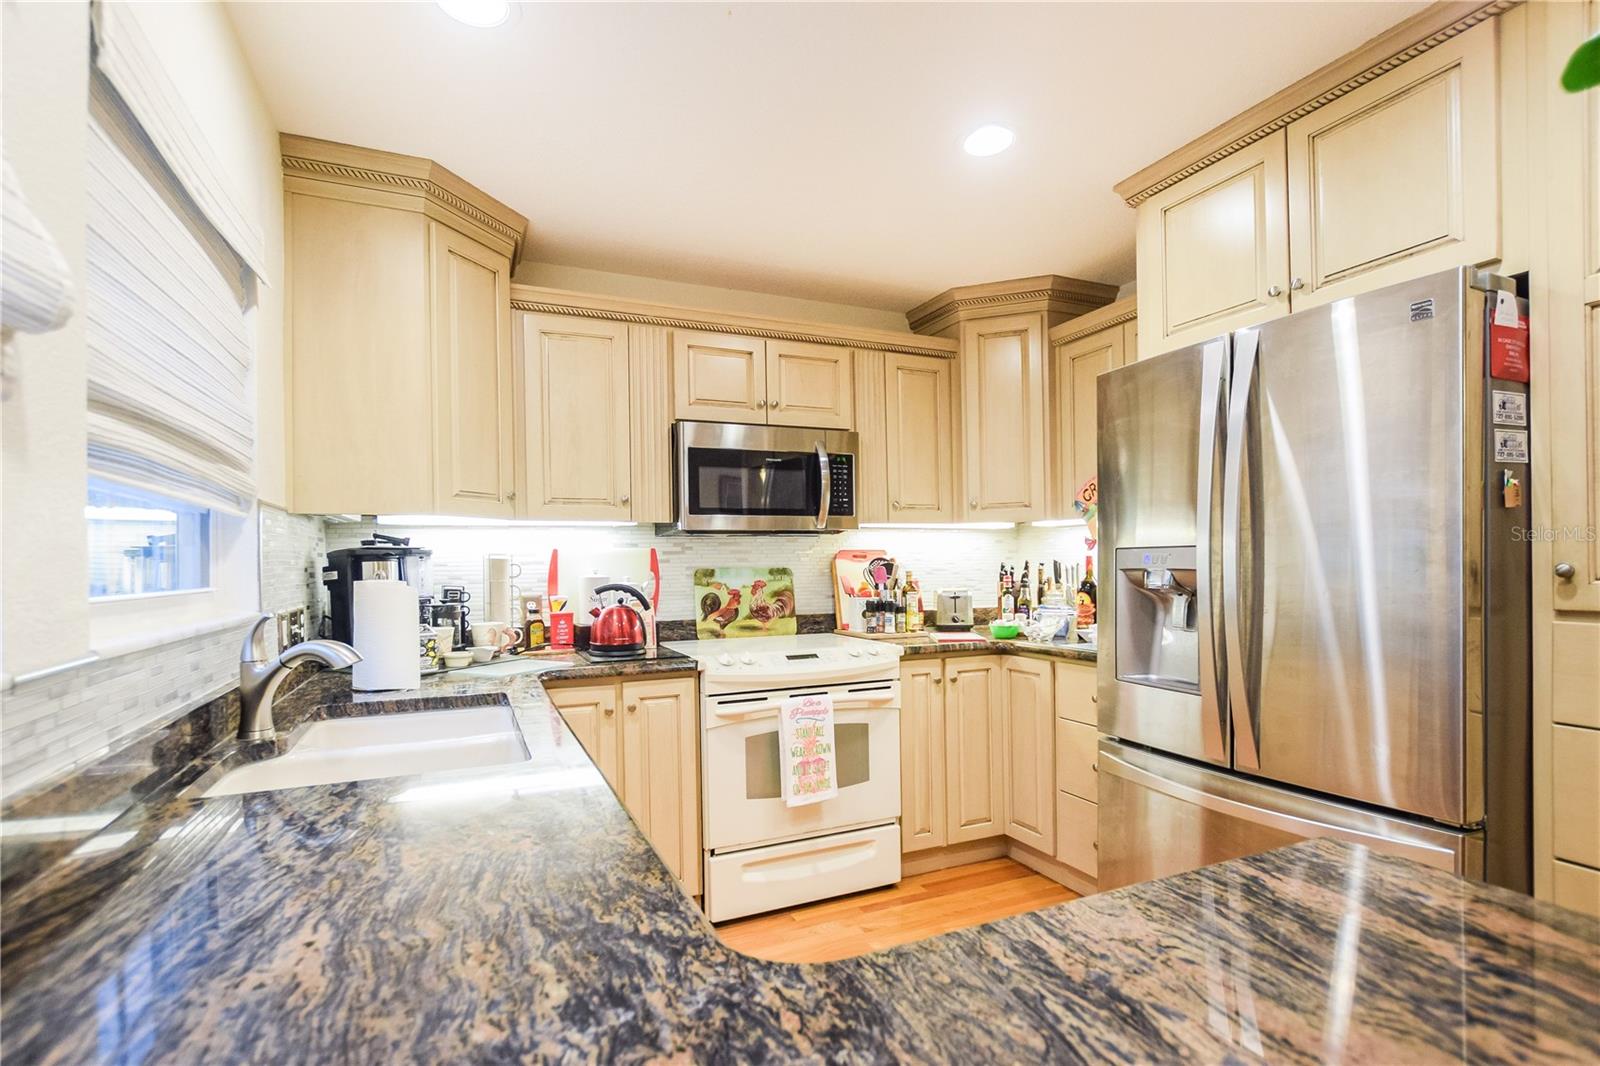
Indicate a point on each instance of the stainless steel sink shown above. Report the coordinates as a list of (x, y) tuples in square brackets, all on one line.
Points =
[(376, 746)]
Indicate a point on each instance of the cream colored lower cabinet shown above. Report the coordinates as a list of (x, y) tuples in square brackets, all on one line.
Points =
[(644, 736), (974, 759), (577, 448), (1029, 708), (922, 754), (1075, 692), (1077, 781), (1077, 822)]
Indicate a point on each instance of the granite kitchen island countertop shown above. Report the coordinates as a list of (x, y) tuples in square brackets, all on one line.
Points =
[(516, 914)]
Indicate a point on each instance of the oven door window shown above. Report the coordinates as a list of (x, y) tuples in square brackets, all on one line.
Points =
[(732, 481), (762, 776)]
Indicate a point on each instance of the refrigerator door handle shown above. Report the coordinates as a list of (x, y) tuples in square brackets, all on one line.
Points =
[(1213, 380), (1245, 716)]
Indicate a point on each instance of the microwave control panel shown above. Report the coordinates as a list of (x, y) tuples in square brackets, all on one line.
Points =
[(842, 469)]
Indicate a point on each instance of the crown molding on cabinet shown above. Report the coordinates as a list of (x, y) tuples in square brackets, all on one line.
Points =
[(1421, 32), (585, 305), (368, 168), (1113, 314), (1044, 292)]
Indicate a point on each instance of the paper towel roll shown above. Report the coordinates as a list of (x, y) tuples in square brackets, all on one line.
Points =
[(385, 633)]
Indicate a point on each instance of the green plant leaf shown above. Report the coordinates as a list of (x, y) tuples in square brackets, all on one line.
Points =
[(1583, 69)]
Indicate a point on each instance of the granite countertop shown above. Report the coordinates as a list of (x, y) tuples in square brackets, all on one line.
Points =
[(517, 914), (979, 641)]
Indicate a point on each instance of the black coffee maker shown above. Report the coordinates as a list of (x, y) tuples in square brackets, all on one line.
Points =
[(380, 557)]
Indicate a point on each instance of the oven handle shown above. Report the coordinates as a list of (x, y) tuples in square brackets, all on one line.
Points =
[(765, 707), (827, 487)]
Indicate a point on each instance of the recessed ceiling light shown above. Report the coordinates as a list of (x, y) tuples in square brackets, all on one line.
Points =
[(988, 140), (480, 13)]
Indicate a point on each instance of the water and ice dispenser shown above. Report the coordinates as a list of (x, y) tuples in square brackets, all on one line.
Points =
[(1157, 640)]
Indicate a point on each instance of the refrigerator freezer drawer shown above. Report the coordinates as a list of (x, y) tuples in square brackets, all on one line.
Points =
[(783, 875), (1160, 816)]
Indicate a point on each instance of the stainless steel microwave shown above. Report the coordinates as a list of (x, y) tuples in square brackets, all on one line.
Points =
[(750, 479)]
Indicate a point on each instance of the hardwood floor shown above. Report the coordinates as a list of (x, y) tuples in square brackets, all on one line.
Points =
[(918, 907)]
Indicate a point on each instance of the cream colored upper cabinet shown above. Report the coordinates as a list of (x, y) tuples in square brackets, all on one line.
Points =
[(1029, 752), (472, 374), (922, 755), (718, 377), (1213, 250), (1073, 423), (810, 385), (1002, 404), (918, 438), (975, 760), (1399, 177), (575, 395)]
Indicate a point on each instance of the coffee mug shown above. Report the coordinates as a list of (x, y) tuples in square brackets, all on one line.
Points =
[(500, 635), (454, 594)]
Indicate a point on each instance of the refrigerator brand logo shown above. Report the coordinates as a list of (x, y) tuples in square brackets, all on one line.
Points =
[(1421, 309)]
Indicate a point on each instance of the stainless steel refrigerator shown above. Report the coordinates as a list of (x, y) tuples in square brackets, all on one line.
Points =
[(1315, 587)]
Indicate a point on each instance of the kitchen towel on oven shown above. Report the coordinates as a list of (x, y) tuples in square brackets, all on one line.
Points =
[(805, 748)]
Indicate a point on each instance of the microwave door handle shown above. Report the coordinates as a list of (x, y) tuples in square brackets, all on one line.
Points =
[(827, 487), (1246, 720)]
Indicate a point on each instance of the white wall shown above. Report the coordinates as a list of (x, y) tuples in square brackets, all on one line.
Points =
[(52, 723), (43, 549), (705, 297)]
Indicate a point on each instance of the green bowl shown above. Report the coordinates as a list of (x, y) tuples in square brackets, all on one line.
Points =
[(1004, 630)]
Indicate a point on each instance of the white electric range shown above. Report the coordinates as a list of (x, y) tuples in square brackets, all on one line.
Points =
[(761, 853)]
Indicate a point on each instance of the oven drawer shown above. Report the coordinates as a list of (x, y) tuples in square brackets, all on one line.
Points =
[(782, 875)]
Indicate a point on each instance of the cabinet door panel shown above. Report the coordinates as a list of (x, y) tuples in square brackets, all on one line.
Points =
[(1030, 752), (922, 755), (1574, 771), (810, 385), (1073, 426), (472, 376), (1077, 831), (1077, 747), (576, 423), (1398, 178), (917, 400), (591, 713), (719, 377), (1075, 692), (1212, 247), (1002, 369), (974, 734), (660, 771)]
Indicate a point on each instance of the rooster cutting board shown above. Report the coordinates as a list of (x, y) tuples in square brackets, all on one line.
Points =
[(744, 602)]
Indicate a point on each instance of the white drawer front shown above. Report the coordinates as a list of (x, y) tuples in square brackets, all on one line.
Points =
[(783, 875)]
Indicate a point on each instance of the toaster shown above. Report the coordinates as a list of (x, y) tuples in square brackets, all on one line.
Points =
[(954, 611)]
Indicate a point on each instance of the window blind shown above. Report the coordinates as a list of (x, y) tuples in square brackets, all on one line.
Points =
[(169, 344)]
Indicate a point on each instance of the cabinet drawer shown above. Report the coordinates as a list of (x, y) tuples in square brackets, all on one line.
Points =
[(782, 875), (1077, 832), (1075, 692), (1076, 747), (1577, 887), (1575, 794)]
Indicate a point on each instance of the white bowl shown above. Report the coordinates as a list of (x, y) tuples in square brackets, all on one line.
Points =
[(482, 653)]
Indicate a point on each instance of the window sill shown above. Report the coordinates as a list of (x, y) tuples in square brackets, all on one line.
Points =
[(136, 642)]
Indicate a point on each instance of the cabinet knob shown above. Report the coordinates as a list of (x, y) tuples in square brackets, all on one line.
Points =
[(610, 711), (953, 680), (1296, 284), (1564, 571), (1273, 292), (632, 707), (761, 403), (972, 503), (897, 505), (623, 499)]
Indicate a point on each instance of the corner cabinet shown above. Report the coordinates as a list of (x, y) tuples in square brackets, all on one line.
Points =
[(470, 286), (1002, 402), (644, 737), (575, 398), (397, 335)]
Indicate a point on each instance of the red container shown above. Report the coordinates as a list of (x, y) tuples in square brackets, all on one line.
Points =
[(561, 633)]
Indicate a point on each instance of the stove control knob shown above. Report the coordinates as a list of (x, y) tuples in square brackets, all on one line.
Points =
[(725, 660), (874, 651), (855, 653), (746, 659)]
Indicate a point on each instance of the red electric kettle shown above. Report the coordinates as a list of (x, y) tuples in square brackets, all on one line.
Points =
[(622, 630)]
